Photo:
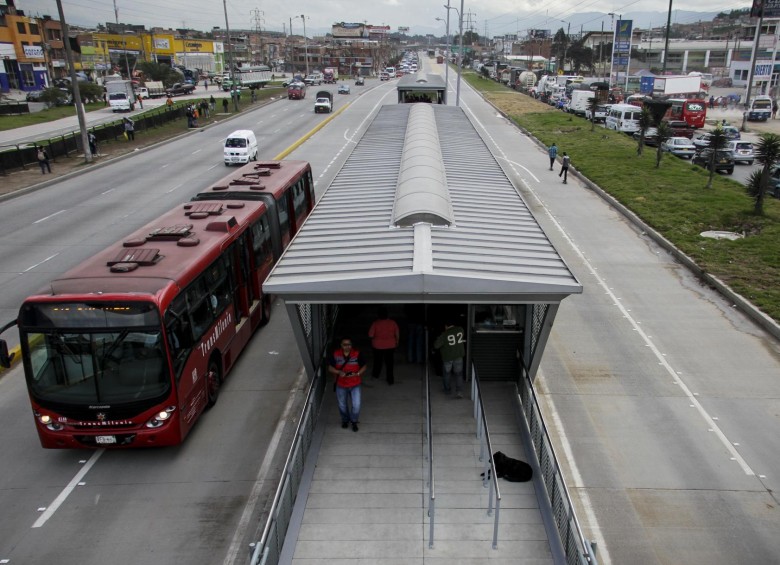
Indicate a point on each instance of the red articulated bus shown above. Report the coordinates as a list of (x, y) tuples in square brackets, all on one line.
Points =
[(131, 346)]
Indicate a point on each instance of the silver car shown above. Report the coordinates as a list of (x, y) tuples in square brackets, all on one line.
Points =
[(743, 151), (679, 147)]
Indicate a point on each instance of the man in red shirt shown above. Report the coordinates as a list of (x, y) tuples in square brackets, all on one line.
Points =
[(384, 334), (347, 365)]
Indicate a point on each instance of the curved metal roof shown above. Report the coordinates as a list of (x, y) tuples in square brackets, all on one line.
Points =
[(350, 250)]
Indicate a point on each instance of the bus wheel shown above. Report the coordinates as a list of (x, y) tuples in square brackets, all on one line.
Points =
[(266, 310), (214, 380)]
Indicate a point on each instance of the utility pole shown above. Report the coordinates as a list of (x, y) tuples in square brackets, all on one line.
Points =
[(752, 70), (75, 84), (230, 57), (666, 41), (257, 17)]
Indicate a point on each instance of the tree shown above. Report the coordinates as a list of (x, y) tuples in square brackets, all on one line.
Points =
[(717, 141), (593, 104), (54, 96), (159, 72), (767, 152), (645, 122), (580, 57), (470, 37), (90, 92), (664, 133)]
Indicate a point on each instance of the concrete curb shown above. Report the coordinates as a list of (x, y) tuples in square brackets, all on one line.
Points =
[(739, 301)]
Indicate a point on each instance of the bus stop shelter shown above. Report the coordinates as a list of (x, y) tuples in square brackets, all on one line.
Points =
[(422, 213)]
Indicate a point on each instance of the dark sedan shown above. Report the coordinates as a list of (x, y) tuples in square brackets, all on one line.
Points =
[(724, 160)]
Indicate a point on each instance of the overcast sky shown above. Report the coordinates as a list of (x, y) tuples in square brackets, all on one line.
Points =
[(496, 17)]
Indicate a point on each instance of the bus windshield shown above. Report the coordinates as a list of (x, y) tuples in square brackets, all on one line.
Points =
[(94, 353)]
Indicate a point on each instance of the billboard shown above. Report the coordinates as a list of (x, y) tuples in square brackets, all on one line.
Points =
[(623, 37), (343, 29), (771, 8)]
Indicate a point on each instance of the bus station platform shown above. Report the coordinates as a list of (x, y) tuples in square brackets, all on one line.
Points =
[(364, 495)]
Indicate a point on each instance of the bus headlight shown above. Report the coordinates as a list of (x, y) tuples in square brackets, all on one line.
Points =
[(160, 418), (47, 421)]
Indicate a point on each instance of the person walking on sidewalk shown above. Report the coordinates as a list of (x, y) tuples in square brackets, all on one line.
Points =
[(451, 344), (564, 167), (553, 153), (384, 334), (347, 366)]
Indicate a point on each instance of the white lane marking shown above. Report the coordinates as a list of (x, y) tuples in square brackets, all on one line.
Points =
[(107, 191), (41, 263), (236, 544), (68, 489), (172, 189), (196, 151), (165, 165), (211, 167), (576, 477), (49, 216)]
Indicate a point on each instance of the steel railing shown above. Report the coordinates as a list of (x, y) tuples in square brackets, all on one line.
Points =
[(486, 455), (577, 549), (431, 480), (268, 549)]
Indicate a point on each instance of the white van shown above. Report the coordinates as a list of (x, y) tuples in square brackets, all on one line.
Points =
[(624, 117), (240, 147)]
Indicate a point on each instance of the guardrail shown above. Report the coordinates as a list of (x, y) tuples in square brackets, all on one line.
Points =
[(577, 549), (429, 433), (267, 550), (486, 454)]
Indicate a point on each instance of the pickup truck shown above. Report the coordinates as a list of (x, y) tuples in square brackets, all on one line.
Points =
[(180, 88), (324, 102)]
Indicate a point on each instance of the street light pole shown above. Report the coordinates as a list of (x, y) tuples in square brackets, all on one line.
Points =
[(446, 62), (566, 44), (305, 44), (460, 55), (230, 58)]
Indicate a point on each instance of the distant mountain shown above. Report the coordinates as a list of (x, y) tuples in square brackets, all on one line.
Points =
[(586, 21)]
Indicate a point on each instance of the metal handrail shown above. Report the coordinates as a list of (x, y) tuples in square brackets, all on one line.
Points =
[(431, 481), (258, 549), (587, 550), (489, 470)]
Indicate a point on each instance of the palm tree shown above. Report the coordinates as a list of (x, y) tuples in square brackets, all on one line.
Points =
[(645, 122), (593, 104), (767, 153), (664, 132), (717, 141)]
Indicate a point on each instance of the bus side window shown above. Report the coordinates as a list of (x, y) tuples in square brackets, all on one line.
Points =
[(199, 307), (261, 242), (219, 283), (299, 199), (179, 334), (284, 216)]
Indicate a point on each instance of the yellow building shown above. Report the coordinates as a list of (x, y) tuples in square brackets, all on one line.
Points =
[(21, 51)]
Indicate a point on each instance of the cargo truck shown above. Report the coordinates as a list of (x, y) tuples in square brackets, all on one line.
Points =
[(121, 96), (330, 75), (155, 88), (323, 103)]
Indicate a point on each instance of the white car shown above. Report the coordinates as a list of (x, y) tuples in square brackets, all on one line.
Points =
[(743, 151), (681, 147), (702, 140)]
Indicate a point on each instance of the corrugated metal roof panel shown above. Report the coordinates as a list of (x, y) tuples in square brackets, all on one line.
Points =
[(349, 251)]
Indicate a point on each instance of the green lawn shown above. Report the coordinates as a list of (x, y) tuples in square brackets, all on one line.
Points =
[(672, 199), (48, 115)]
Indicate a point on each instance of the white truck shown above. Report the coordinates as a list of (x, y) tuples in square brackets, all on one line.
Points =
[(248, 77), (323, 103), (674, 85), (580, 100), (121, 96)]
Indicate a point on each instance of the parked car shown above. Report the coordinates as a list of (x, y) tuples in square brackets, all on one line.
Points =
[(651, 137), (681, 128), (724, 160), (743, 151), (343, 89), (681, 147), (701, 140), (360, 81), (34, 96), (774, 182)]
